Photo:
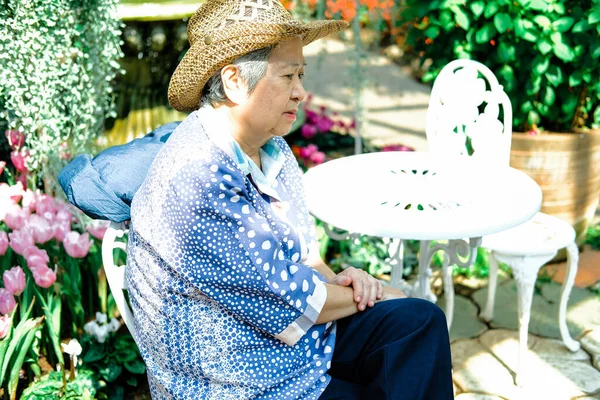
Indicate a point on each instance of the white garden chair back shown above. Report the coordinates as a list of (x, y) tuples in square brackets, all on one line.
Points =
[(469, 110), (470, 114), (115, 238)]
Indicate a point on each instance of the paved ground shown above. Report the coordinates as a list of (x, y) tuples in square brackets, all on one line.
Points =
[(396, 104), (484, 355)]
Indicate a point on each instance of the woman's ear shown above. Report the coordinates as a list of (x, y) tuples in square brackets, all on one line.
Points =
[(233, 85)]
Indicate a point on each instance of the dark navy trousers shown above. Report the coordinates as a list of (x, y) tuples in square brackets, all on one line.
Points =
[(396, 350)]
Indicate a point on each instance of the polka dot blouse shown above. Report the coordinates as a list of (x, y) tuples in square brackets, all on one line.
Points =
[(224, 306)]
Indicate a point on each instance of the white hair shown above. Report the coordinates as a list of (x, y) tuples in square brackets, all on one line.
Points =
[(252, 68)]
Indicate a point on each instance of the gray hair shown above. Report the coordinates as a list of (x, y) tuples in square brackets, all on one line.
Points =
[(252, 67)]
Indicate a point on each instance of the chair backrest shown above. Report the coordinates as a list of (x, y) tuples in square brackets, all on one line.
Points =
[(469, 113), (115, 274)]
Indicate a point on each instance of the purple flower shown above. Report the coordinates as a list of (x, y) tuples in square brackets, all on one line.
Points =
[(396, 147), (311, 117), (324, 124), (306, 152)]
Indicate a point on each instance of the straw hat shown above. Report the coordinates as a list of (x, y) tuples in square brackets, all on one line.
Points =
[(222, 30)]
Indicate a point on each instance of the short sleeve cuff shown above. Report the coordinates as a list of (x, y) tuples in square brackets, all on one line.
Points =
[(302, 324)]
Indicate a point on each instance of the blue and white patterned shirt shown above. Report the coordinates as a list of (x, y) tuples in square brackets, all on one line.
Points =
[(225, 307)]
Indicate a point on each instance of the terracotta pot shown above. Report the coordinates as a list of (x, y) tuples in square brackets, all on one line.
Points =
[(567, 168)]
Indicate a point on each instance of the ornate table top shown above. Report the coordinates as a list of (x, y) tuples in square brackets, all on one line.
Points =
[(418, 195)]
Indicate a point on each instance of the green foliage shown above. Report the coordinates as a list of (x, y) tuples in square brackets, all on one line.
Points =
[(57, 63), (593, 236), (51, 386), (544, 52), (116, 361)]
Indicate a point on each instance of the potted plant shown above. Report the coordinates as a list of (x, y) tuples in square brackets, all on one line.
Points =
[(545, 53)]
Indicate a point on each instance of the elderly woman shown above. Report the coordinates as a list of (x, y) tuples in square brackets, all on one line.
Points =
[(230, 297)]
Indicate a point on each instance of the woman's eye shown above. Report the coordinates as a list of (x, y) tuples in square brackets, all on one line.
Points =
[(301, 76)]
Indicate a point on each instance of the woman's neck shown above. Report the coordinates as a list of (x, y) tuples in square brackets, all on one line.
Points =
[(248, 142)]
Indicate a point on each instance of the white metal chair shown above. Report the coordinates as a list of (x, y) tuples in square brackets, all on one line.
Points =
[(115, 274), (470, 114)]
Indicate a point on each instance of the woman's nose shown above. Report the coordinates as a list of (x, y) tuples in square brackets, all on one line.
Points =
[(299, 94)]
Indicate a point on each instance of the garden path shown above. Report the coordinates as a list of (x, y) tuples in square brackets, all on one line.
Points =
[(396, 104)]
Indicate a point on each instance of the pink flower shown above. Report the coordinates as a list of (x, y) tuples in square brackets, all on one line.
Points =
[(2, 165), (311, 117), (7, 301), (15, 217), (76, 245), (20, 241), (5, 325), (3, 243), (40, 229), (14, 192), (306, 152), (63, 151), (22, 179), (98, 229), (63, 215), (15, 138), (44, 203), (28, 200), (396, 147), (19, 158), (44, 276), (36, 257), (61, 229), (318, 157), (308, 131), (324, 124), (14, 280)]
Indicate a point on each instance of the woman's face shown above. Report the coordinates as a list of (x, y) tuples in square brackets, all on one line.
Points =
[(270, 110)]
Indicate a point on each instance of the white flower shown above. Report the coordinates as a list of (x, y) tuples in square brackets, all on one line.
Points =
[(114, 325), (90, 328), (73, 348), (101, 318), (102, 333)]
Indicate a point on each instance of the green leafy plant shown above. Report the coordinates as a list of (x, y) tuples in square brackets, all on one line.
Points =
[(113, 357), (56, 386), (57, 63), (544, 52), (593, 237)]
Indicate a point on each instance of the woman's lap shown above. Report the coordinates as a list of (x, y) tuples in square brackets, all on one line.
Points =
[(398, 349)]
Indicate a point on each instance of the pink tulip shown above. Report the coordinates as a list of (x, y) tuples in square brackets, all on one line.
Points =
[(76, 245), (16, 217), (22, 179), (20, 241), (98, 229), (63, 215), (61, 229), (308, 131), (40, 229), (16, 139), (2, 165), (14, 280), (3, 243), (317, 157), (7, 301), (5, 325), (306, 152), (19, 160), (14, 192), (36, 257), (44, 277), (28, 200), (44, 203)]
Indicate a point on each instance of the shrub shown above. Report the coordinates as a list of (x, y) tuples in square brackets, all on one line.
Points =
[(544, 52)]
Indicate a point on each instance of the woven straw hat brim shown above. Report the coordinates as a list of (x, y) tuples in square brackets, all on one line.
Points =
[(203, 59)]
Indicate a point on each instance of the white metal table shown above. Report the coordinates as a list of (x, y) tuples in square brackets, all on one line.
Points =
[(421, 196)]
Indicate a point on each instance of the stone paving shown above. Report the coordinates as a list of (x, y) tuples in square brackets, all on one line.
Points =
[(485, 355)]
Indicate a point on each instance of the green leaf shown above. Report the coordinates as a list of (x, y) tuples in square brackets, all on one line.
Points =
[(594, 16), (563, 24), (18, 362), (540, 65), (111, 372), (484, 34), (540, 5), (542, 21), (526, 107), (506, 53), (544, 46), (554, 75), (575, 79), (432, 31), (564, 52), (93, 354), (507, 77), (502, 22), (446, 20), (136, 366), (558, 8), (533, 118), (549, 96), (490, 9), (595, 51), (461, 18), (477, 8), (581, 26), (526, 30)]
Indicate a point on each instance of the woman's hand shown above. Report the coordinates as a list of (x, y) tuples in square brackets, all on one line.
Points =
[(391, 293), (367, 289)]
